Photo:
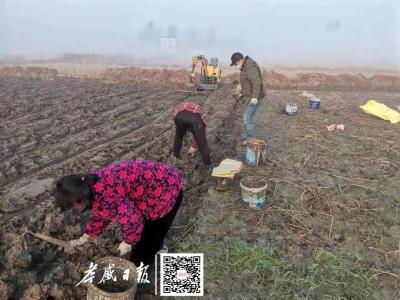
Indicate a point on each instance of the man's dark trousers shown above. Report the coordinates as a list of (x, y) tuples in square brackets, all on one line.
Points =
[(188, 121)]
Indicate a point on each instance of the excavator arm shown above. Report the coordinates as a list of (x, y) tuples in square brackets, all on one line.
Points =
[(198, 59)]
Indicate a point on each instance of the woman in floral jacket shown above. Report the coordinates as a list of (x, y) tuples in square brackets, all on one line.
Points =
[(143, 197)]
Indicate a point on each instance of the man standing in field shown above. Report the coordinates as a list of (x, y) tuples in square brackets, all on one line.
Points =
[(253, 90)]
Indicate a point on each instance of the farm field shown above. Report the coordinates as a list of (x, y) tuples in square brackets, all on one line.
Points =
[(331, 227)]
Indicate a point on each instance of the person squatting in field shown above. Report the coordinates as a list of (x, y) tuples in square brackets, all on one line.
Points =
[(141, 196), (189, 116)]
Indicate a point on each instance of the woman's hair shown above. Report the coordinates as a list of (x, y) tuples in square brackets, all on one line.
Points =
[(76, 188)]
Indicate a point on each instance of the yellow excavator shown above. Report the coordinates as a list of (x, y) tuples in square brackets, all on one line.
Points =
[(210, 73)]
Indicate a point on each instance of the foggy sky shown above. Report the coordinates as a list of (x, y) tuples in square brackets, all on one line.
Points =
[(360, 32)]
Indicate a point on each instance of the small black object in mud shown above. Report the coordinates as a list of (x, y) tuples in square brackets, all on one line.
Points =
[(222, 184)]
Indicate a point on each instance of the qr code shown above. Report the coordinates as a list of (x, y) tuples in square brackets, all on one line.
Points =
[(181, 274)]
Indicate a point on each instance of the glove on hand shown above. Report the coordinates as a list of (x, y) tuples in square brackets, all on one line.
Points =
[(192, 151), (253, 101), (124, 248)]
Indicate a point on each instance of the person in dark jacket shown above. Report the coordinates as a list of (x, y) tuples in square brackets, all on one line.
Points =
[(141, 196), (189, 116), (252, 89)]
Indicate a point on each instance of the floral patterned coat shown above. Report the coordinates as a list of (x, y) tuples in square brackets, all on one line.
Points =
[(130, 192)]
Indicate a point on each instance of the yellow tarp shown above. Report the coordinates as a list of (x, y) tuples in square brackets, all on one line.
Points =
[(227, 168), (382, 111)]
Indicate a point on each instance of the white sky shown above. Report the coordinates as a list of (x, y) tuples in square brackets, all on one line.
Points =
[(276, 31)]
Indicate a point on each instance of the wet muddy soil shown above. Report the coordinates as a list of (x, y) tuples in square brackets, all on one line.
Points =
[(336, 192)]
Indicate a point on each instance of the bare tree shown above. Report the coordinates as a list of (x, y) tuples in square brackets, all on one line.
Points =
[(149, 33)]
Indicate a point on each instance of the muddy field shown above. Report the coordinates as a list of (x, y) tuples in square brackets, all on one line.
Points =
[(331, 228), (52, 128)]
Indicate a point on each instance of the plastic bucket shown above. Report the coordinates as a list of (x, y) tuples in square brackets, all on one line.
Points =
[(291, 108), (315, 103), (255, 152), (253, 191), (120, 289)]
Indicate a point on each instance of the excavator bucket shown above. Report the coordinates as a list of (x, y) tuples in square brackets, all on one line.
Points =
[(207, 86), (192, 92)]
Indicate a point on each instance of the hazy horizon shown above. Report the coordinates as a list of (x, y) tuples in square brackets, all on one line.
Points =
[(286, 32)]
